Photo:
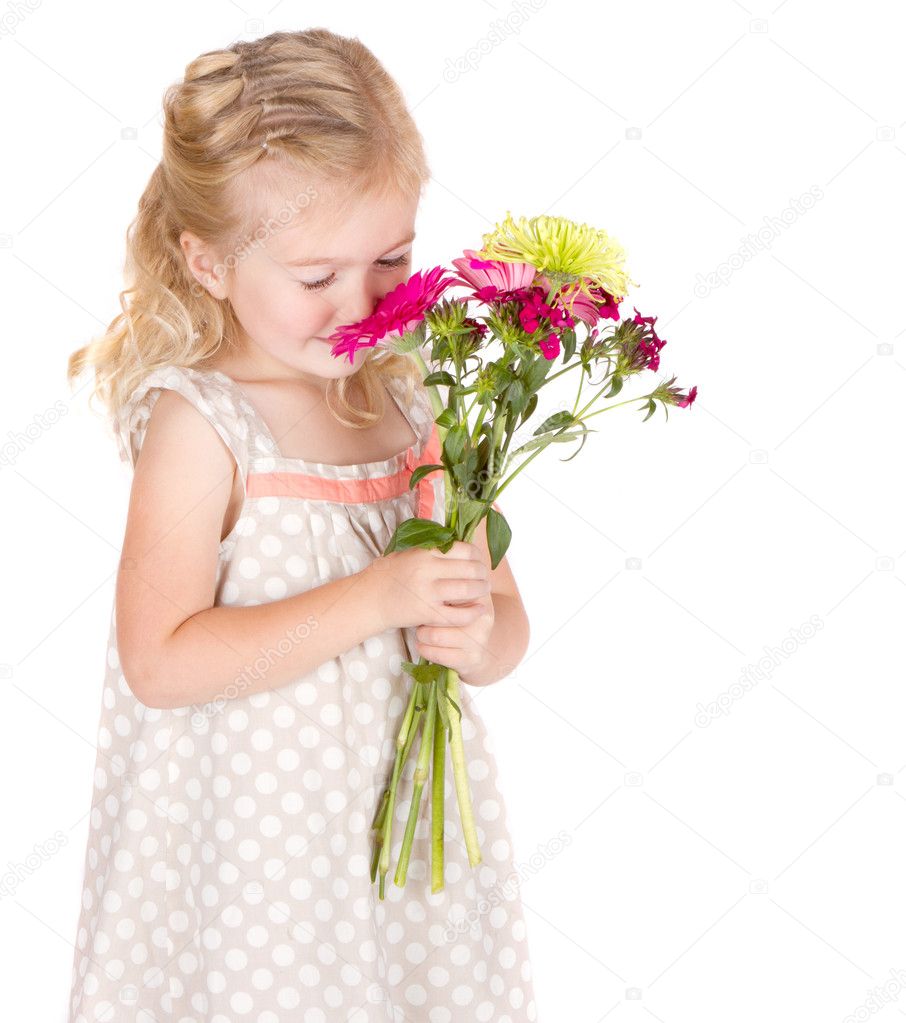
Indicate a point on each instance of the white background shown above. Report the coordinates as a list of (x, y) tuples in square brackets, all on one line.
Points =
[(750, 868)]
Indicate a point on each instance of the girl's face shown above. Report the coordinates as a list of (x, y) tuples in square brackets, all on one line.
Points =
[(292, 285)]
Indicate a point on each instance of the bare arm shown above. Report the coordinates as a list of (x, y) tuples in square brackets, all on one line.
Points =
[(225, 652), (176, 647)]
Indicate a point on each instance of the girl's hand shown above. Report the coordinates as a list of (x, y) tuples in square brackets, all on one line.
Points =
[(465, 648), (428, 586)]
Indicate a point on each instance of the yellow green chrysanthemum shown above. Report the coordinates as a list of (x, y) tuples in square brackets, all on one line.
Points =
[(562, 250)]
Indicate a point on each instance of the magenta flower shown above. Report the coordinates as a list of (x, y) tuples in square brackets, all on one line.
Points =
[(550, 347), (671, 395), (397, 313), (599, 305), (534, 308), (492, 280), (650, 344)]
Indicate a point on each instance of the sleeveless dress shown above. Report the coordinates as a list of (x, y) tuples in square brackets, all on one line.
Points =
[(227, 874)]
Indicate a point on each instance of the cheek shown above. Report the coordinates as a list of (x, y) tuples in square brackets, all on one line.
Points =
[(274, 307), (293, 313)]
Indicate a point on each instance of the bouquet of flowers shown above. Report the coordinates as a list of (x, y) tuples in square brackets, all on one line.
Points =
[(535, 282)]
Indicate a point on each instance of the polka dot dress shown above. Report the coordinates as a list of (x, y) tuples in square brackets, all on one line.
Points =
[(227, 873)]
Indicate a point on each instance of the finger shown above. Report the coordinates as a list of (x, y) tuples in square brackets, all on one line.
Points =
[(461, 550), (463, 589), (456, 616), (441, 636)]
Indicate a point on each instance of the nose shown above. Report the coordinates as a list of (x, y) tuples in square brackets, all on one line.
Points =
[(356, 302)]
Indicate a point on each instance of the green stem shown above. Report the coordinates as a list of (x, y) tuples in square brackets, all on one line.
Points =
[(418, 782), (401, 755), (382, 807), (437, 804), (403, 734), (437, 407), (460, 777), (436, 403), (641, 397)]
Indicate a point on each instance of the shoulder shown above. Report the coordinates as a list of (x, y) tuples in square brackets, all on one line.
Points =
[(176, 425), (182, 464), (178, 398)]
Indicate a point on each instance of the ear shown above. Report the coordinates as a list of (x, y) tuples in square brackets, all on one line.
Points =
[(202, 263)]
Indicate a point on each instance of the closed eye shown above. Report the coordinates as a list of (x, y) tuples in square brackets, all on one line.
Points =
[(387, 264)]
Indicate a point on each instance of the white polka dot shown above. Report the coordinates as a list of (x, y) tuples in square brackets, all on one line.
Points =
[(331, 714), (249, 568), (306, 693), (270, 545), (489, 809), (291, 524), (462, 994), (296, 566), (500, 849), (416, 994)]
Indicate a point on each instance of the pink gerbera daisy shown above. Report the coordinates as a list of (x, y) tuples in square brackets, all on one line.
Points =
[(394, 315), (491, 279)]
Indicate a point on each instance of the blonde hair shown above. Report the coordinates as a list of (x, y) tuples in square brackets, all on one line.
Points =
[(312, 103)]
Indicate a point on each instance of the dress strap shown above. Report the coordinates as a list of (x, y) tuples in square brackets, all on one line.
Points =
[(416, 409), (233, 419)]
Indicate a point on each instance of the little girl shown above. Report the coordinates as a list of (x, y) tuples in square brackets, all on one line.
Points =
[(254, 686)]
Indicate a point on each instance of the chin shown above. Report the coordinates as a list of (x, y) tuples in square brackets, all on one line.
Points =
[(342, 361)]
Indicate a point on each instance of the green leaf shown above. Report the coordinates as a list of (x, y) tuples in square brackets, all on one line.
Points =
[(455, 705), (470, 509), (421, 471), (554, 422), (537, 371), (417, 532), (516, 396), (447, 419), (616, 385), (552, 438), (499, 536), (440, 376), (444, 714), (529, 409), (585, 432), (426, 674), (455, 442)]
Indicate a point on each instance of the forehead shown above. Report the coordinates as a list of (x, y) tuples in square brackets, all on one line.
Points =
[(300, 220)]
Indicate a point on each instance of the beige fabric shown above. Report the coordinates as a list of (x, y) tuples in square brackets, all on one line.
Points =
[(227, 870)]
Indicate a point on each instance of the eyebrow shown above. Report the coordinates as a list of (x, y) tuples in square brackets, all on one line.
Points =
[(320, 261)]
